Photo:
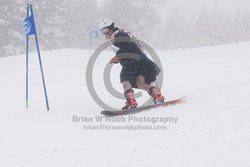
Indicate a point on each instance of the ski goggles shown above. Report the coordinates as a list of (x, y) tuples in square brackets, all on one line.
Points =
[(105, 30)]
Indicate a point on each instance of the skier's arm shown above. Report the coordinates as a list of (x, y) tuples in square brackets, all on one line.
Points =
[(128, 49), (114, 60), (123, 41)]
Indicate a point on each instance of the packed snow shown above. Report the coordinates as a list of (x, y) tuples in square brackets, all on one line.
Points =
[(210, 129)]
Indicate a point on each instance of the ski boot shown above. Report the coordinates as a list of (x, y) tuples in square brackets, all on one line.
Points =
[(155, 92), (131, 102)]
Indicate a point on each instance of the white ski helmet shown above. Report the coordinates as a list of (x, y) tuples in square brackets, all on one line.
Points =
[(106, 23)]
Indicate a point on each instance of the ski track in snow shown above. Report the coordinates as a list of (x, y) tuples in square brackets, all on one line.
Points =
[(212, 127)]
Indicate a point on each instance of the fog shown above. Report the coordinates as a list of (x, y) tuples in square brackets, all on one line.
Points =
[(191, 7), (168, 24)]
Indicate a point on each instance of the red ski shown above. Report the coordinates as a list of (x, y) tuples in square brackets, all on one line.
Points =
[(143, 108)]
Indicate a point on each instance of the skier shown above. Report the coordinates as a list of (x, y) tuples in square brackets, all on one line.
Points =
[(136, 73)]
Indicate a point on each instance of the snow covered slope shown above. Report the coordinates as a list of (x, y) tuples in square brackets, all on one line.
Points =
[(211, 129)]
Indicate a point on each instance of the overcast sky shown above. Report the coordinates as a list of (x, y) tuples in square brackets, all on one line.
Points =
[(189, 6)]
